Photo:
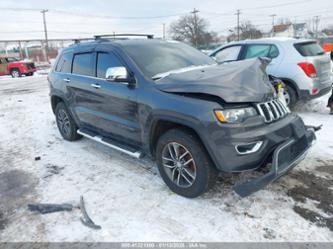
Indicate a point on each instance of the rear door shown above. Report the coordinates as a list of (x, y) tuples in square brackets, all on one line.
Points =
[(84, 98)]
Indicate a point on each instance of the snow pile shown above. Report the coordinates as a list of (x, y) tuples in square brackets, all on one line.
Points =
[(318, 105)]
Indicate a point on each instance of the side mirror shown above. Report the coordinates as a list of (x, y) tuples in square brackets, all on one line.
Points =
[(118, 74)]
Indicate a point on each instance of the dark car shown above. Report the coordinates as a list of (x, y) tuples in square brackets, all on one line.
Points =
[(169, 101)]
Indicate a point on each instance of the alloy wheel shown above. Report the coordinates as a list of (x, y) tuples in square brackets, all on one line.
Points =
[(64, 122), (15, 74), (286, 96), (179, 164)]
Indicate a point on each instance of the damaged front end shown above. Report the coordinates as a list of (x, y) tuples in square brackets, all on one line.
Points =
[(252, 126), (285, 157)]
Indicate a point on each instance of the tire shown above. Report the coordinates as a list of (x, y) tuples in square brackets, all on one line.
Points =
[(291, 96), (15, 73), (66, 124), (201, 168), (30, 74)]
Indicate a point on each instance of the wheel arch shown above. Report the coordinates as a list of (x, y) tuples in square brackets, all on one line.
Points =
[(160, 126), (14, 68), (55, 99)]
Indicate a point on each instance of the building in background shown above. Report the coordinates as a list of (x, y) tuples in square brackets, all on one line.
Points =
[(292, 30), (284, 30)]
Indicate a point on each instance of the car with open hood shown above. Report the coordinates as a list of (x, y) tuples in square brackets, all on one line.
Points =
[(169, 101)]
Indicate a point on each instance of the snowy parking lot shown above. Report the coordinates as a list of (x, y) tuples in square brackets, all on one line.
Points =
[(127, 197)]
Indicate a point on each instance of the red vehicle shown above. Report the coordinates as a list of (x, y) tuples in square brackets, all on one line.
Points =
[(15, 67)]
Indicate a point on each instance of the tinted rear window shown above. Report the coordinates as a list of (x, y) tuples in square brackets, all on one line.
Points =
[(64, 63), (309, 49), (83, 64)]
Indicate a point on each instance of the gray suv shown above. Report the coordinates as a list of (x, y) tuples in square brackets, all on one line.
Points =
[(169, 101)]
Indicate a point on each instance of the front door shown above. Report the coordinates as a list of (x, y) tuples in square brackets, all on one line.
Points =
[(108, 107)]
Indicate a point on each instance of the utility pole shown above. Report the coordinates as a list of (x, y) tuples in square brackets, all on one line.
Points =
[(273, 24), (46, 46), (238, 28), (163, 31), (316, 20), (194, 12)]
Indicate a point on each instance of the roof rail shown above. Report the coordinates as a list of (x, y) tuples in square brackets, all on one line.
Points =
[(78, 40), (99, 37)]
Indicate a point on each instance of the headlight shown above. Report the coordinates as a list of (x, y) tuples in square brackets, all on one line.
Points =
[(235, 116)]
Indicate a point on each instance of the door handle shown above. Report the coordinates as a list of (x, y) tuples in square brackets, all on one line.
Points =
[(97, 86), (67, 80)]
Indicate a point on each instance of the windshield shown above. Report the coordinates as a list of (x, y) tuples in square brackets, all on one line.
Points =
[(12, 59), (159, 57)]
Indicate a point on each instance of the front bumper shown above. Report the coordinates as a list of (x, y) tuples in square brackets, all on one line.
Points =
[(286, 156), (223, 140), (28, 70)]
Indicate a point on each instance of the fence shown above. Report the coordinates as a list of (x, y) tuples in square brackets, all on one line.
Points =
[(35, 49)]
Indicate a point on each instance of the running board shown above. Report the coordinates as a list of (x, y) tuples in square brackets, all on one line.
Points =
[(107, 142)]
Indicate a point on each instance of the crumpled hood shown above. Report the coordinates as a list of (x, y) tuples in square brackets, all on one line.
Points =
[(235, 82)]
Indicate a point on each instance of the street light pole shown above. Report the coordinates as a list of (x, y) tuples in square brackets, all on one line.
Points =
[(273, 23), (316, 18), (163, 31), (238, 13), (46, 47), (194, 12)]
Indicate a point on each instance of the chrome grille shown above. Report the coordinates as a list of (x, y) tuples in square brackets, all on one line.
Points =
[(272, 110)]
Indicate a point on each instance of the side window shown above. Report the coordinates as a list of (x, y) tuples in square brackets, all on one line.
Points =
[(274, 52), (64, 63), (83, 64), (105, 61), (228, 54), (254, 51)]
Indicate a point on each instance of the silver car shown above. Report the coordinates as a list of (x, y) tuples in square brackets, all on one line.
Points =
[(302, 64)]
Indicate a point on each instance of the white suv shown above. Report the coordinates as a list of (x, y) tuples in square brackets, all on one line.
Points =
[(302, 64)]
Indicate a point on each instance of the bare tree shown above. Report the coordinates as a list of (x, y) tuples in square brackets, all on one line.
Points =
[(193, 29), (247, 31)]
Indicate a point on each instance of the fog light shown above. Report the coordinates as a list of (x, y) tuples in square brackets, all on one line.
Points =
[(248, 148)]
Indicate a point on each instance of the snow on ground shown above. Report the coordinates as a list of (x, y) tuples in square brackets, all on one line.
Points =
[(128, 198)]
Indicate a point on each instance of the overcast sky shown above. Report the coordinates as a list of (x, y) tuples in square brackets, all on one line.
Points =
[(85, 18)]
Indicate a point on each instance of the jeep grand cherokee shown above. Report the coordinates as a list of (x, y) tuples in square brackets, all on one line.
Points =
[(167, 100)]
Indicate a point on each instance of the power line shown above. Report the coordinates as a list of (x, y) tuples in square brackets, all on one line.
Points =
[(277, 5), (64, 12)]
